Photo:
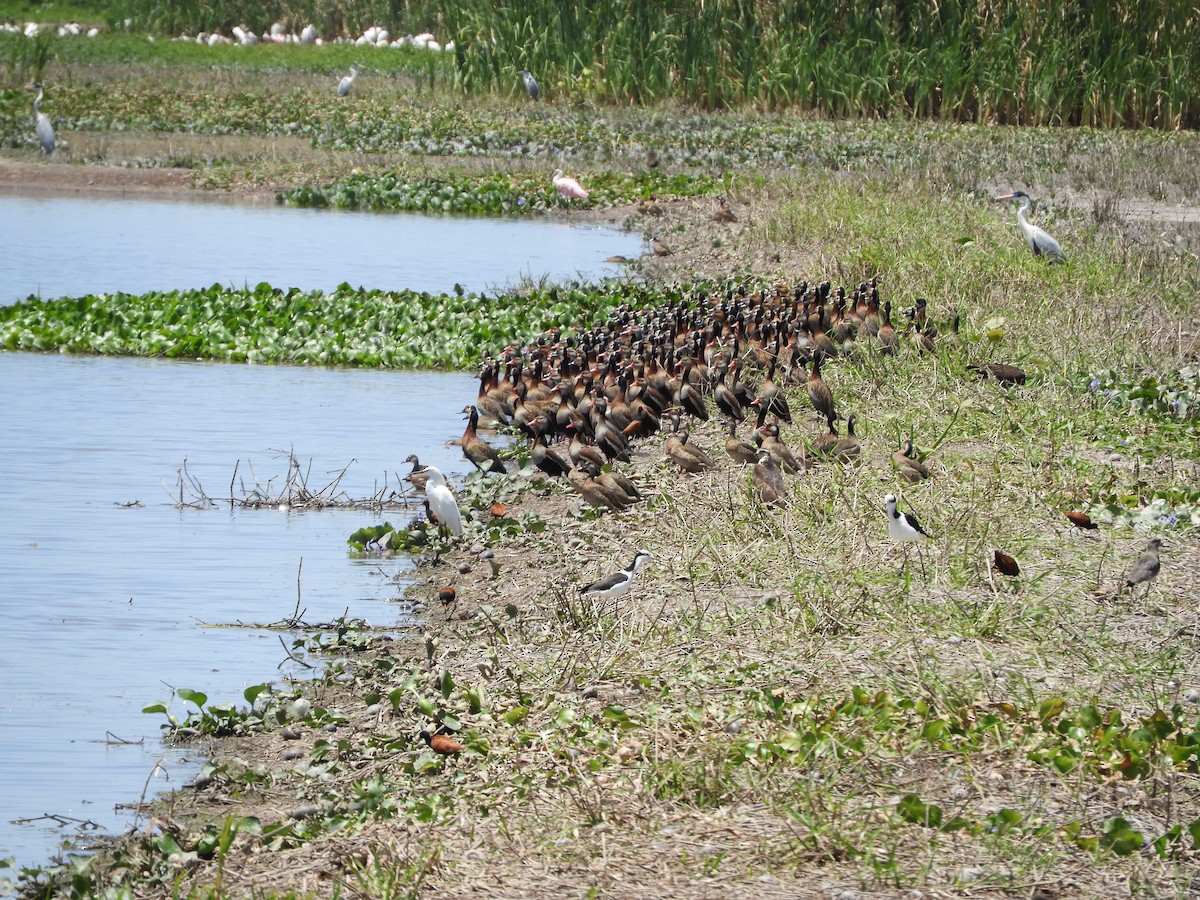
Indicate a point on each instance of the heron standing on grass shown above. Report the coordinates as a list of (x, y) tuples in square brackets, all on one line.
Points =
[(1039, 242), (348, 80), (45, 131), (531, 85)]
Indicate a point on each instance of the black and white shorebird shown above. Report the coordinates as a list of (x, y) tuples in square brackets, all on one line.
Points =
[(1145, 569), (618, 584), (904, 529)]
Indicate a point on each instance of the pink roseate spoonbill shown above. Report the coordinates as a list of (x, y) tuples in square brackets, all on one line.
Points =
[(569, 187)]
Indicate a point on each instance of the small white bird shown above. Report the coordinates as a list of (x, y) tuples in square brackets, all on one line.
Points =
[(441, 502), (1037, 239), (531, 85), (348, 80), (569, 187), (902, 526), (618, 584), (45, 131)]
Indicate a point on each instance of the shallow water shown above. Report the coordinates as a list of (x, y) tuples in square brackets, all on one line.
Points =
[(71, 246), (106, 587)]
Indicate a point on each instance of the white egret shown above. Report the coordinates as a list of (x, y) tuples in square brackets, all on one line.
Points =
[(442, 503), (348, 80)]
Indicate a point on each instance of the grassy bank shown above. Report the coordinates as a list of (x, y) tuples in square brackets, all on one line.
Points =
[(788, 704)]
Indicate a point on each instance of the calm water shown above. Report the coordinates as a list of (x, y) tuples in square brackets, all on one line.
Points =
[(70, 247), (107, 591), (104, 605)]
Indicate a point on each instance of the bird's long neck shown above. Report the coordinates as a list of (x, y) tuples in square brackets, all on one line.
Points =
[(37, 102)]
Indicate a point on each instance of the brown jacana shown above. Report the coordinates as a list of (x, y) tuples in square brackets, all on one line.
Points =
[(442, 744), (1005, 564)]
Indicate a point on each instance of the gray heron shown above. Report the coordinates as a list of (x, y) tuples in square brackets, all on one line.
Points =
[(1039, 242), (45, 131), (531, 85)]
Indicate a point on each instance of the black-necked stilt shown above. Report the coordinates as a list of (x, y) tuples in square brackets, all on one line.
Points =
[(618, 584), (905, 529), (1145, 569), (903, 526)]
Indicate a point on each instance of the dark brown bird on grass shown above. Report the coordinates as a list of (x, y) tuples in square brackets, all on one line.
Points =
[(1145, 569), (819, 394), (788, 461), (551, 460), (442, 744), (1001, 372), (1005, 564), (849, 448), (1081, 520), (908, 465), (479, 451), (447, 596), (823, 444), (724, 214), (768, 478), (618, 485)]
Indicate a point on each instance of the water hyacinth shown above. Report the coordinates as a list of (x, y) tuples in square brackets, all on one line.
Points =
[(490, 194), (350, 326)]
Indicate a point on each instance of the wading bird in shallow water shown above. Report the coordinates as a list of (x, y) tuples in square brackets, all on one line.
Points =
[(569, 187), (347, 81), (618, 584), (531, 85), (45, 131), (1039, 242), (441, 502)]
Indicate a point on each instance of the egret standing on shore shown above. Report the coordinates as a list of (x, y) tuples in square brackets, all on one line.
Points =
[(569, 187), (348, 80), (45, 131), (531, 85), (441, 502), (1037, 239)]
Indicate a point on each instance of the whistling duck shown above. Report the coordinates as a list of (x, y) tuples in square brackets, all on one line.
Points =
[(419, 474), (550, 459), (727, 401), (584, 455), (771, 399), (739, 451), (490, 405), (645, 423), (889, 341), (479, 451), (595, 493), (724, 215), (689, 459), (848, 448), (783, 454), (616, 483), (908, 465), (688, 398), (610, 441), (768, 478), (823, 445), (819, 393)]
